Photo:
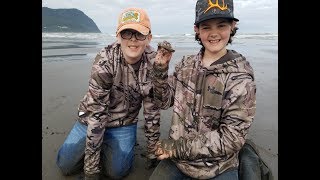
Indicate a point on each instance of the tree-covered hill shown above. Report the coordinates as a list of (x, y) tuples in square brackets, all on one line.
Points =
[(67, 20)]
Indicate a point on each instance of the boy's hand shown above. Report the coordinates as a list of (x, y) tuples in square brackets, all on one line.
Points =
[(165, 149), (164, 54)]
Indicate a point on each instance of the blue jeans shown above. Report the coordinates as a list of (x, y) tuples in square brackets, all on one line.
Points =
[(167, 170), (251, 166), (117, 151)]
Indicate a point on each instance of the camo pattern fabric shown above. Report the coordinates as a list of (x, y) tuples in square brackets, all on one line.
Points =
[(114, 99), (213, 108)]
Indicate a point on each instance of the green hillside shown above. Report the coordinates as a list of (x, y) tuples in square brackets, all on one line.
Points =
[(67, 20)]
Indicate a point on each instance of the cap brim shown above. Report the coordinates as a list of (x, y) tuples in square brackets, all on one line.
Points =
[(215, 17), (142, 29)]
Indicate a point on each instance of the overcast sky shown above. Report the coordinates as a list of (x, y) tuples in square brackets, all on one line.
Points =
[(173, 16)]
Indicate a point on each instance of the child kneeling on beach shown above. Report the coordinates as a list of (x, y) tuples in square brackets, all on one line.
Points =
[(104, 136), (213, 94)]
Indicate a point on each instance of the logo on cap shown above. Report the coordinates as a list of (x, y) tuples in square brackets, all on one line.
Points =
[(216, 4), (206, 9), (130, 16)]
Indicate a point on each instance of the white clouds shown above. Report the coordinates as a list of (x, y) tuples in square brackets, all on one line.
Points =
[(255, 3), (171, 16)]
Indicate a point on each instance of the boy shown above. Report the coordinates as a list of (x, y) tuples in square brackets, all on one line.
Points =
[(119, 84), (213, 94)]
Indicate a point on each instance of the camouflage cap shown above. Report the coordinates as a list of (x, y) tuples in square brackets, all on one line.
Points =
[(206, 9)]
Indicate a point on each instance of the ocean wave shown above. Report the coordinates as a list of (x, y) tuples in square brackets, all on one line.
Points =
[(108, 37)]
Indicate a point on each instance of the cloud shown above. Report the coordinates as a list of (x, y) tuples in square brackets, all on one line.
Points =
[(172, 16)]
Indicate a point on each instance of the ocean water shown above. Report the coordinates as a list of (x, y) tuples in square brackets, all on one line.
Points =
[(84, 46), (261, 50), (257, 48)]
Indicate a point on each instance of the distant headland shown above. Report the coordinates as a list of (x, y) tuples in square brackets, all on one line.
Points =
[(67, 20)]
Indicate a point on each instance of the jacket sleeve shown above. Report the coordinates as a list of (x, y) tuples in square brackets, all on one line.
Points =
[(163, 86), (96, 102), (151, 114), (238, 111)]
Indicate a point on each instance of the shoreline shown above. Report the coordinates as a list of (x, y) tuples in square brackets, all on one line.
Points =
[(64, 82)]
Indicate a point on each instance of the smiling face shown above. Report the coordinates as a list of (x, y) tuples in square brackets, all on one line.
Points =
[(133, 48), (214, 35)]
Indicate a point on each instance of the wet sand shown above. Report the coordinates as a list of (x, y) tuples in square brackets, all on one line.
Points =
[(64, 83)]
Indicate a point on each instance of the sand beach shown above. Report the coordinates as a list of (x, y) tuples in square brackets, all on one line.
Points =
[(66, 63)]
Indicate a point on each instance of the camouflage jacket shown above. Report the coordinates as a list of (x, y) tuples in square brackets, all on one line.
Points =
[(213, 109), (114, 99)]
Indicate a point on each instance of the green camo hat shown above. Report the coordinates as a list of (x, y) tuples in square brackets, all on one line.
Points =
[(209, 9)]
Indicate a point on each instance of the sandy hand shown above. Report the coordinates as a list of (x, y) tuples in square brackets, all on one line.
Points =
[(164, 54), (162, 150)]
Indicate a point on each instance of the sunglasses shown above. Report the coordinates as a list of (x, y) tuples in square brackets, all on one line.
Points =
[(127, 34)]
